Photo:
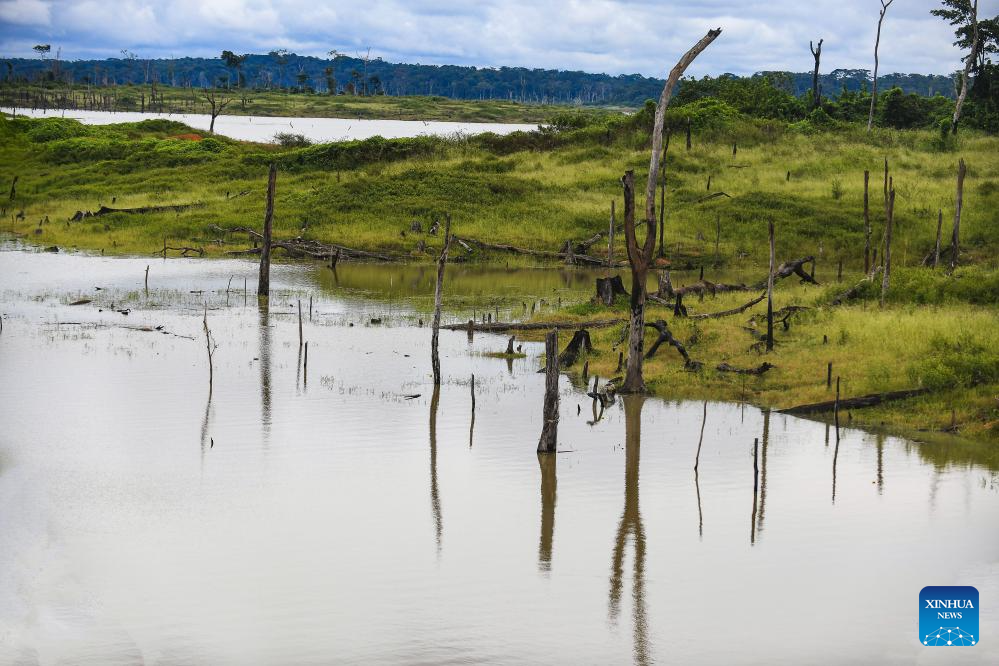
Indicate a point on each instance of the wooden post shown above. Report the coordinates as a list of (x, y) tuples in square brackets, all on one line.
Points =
[(836, 409), (770, 290), (549, 430), (438, 294), (829, 375), (610, 238), (147, 280), (936, 250), (264, 283), (688, 133), (756, 464), (310, 307), (839, 271), (305, 365), (887, 255), (735, 149), (300, 322), (956, 236), (867, 225), (210, 344), (471, 425), (244, 291)]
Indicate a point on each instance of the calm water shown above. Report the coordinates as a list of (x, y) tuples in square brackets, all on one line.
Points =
[(320, 517), (263, 128)]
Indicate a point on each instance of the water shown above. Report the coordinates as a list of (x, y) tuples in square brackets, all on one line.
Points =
[(263, 128), (294, 517)]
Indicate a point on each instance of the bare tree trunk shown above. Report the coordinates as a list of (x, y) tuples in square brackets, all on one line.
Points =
[(610, 238), (816, 96), (549, 430), (877, 43), (887, 256), (641, 257), (867, 225), (264, 283), (955, 240), (770, 288), (662, 210), (967, 66), (438, 294), (936, 250)]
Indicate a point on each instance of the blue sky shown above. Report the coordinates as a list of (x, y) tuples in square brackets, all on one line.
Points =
[(613, 36)]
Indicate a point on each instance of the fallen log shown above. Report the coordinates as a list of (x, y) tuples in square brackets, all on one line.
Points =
[(666, 336), (707, 287), (870, 400), (310, 248), (713, 195), (500, 247), (853, 291), (105, 210), (789, 268), (500, 327), (762, 368), (733, 311)]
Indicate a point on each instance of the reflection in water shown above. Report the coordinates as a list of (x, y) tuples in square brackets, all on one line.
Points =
[(763, 472), (881, 462), (265, 369), (631, 525), (204, 426), (549, 484), (697, 480), (435, 499)]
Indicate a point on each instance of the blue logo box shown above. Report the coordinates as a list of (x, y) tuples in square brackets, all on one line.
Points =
[(948, 616)]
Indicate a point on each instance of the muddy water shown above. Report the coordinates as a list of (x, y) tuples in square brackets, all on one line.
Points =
[(325, 515), (263, 128)]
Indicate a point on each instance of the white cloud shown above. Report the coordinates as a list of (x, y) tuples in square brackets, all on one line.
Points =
[(614, 36)]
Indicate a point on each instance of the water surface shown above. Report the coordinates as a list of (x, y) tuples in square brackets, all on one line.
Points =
[(263, 128), (325, 515)]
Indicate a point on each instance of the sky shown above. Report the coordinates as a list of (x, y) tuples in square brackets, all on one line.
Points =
[(610, 36)]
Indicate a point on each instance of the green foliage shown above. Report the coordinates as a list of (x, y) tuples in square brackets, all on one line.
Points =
[(704, 113), (756, 96), (964, 361), (55, 129), (903, 111)]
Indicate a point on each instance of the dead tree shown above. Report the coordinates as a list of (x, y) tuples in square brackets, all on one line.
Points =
[(968, 63), (770, 290), (867, 224), (886, 275), (212, 346), (264, 282), (640, 258), (956, 234), (549, 429), (579, 344), (885, 4), (435, 360), (936, 248), (218, 102), (609, 288), (666, 336), (610, 238), (816, 96)]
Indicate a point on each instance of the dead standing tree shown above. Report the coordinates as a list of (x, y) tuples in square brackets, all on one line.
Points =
[(967, 67), (640, 258), (955, 240), (877, 42), (264, 283), (435, 360), (817, 54), (218, 102), (549, 430)]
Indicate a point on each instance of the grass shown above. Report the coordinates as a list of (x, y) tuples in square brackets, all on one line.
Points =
[(537, 190)]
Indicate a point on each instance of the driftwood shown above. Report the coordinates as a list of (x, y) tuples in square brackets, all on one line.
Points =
[(184, 250), (549, 430), (609, 288), (666, 336), (870, 400), (707, 287), (501, 327), (762, 368), (713, 195)]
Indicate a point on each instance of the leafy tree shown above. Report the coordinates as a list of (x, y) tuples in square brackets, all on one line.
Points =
[(42, 50), (958, 13), (233, 61)]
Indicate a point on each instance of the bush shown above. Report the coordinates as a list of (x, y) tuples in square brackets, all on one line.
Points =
[(44, 130), (706, 113), (951, 363), (292, 140)]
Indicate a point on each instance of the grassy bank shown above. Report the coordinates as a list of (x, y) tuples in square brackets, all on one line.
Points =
[(947, 345), (252, 102), (538, 190)]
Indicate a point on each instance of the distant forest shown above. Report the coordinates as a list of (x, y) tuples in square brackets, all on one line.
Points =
[(346, 75)]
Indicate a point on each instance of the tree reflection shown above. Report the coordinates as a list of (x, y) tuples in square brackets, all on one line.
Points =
[(265, 368), (435, 499), (549, 487), (631, 526)]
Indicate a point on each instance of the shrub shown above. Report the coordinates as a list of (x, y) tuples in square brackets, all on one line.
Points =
[(44, 130), (292, 140), (961, 362)]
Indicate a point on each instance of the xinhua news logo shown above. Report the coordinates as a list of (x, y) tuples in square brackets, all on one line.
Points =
[(948, 616)]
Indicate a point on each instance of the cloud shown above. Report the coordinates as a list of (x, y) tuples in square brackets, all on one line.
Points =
[(613, 36)]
